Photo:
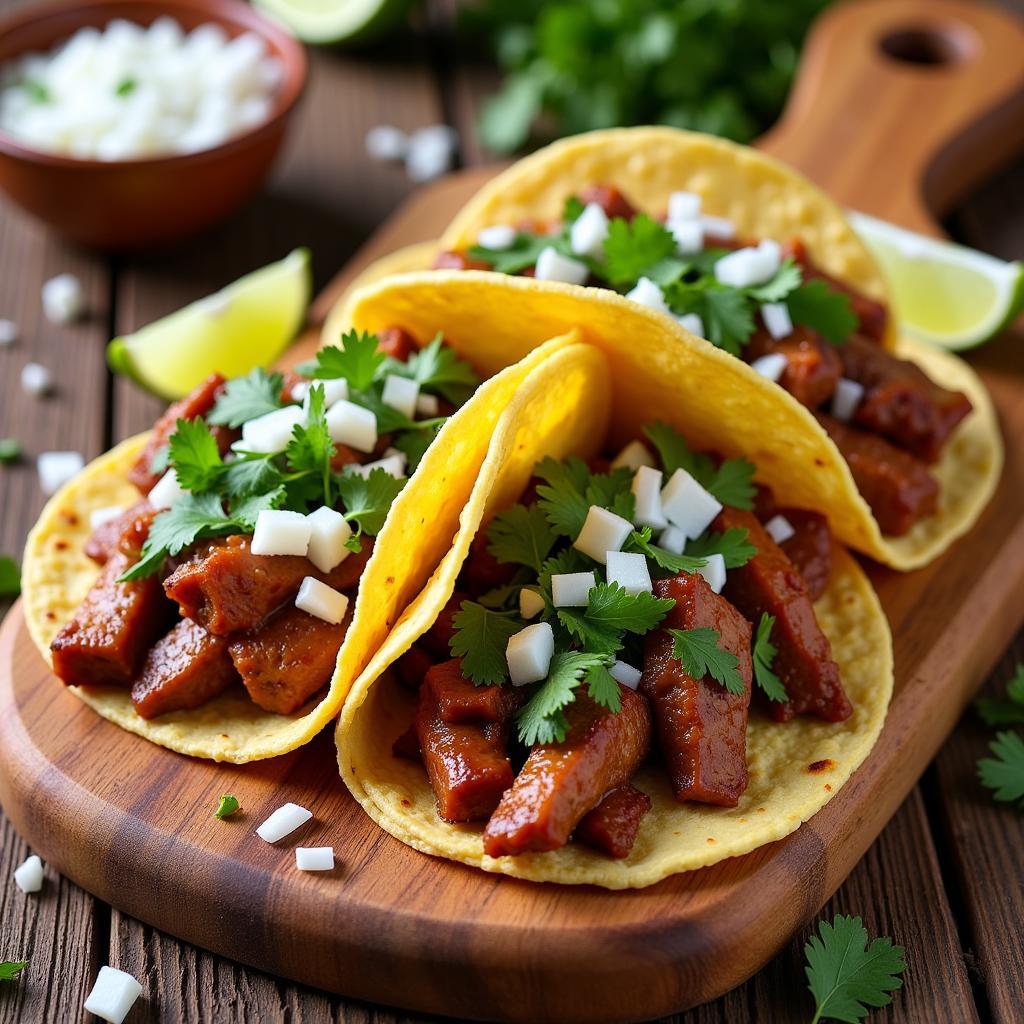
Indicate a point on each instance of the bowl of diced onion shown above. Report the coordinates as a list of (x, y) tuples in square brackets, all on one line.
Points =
[(125, 124)]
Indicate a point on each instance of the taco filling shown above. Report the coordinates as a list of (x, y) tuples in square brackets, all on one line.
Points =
[(623, 614), (766, 303), (260, 498)]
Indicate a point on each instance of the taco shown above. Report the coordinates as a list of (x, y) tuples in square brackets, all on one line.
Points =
[(743, 254), (650, 659), (217, 584)]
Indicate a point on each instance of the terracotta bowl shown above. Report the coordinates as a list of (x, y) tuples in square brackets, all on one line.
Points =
[(133, 204)]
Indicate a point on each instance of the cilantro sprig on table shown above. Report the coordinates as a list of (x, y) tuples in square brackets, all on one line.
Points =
[(10, 969), (1003, 772), (537, 539), (643, 247)]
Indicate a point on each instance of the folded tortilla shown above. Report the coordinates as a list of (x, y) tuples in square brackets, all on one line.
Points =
[(423, 523), (795, 767), (764, 199)]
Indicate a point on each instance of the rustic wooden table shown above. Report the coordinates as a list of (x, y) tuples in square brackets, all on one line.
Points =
[(944, 878)]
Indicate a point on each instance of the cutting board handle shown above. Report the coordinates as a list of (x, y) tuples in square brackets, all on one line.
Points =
[(901, 107)]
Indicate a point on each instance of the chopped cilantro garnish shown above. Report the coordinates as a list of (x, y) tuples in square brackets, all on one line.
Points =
[(824, 310), (610, 613), (786, 279), (763, 653), (368, 499), (521, 535), (732, 544), (10, 577), (356, 361), (562, 495), (633, 247), (10, 449), (37, 92), (245, 398), (126, 86), (996, 711), (437, 368), (603, 689), (480, 638), (1003, 773), (228, 805), (311, 449), (193, 452), (699, 653), (253, 475), (542, 719), (732, 483), (846, 975), (640, 541), (10, 969), (522, 253)]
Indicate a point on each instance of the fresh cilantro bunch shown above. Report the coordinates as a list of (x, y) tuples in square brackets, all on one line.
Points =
[(538, 538), (226, 496), (10, 969), (643, 247), (1003, 773), (723, 68)]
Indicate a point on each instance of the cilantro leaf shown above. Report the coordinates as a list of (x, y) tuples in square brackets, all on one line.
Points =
[(10, 969), (732, 544), (310, 449), (10, 577), (245, 510), (480, 639), (245, 398), (522, 253), (633, 247), (357, 361), (158, 464), (542, 719), (732, 483), (995, 711), (612, 490), (603, 689), (1004, 773), (700, 654), (572, 208), (787, 278), (438, 368), (824, 310), (640, 541), (675, 453), (228, 805), (521, 535), (10, 450), (193, 453), (727, 316), (562, 496), (610, 612), (846, 976), (368, 499), (246, 476), (763, 654)]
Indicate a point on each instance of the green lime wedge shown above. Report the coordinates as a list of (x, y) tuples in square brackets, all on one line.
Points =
[(247, 324), (945, 294), (336, 21)]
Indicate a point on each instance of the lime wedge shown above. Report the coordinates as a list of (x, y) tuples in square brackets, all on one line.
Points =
[(945, 294), (247, 324), (336, 21)]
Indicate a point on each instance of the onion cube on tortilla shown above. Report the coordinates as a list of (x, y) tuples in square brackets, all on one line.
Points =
[(718, 227), (692, 322), (683, 206), (714, 572), (280, 532), (531, 604), (166, 491), (777, 319), (99, 516), (427, 406), (633, 456), (314, 858), (529, 653), (771, 366), (334, 391), (283, 822), (625, 674), (689, 236), (646, 293), (401, 394), (113, 995), (746, 267), (329, 531), (629, 570), (779, 528), (589, 231), (56, 468), (687, 505), (646, 489), (553, 266), (497, 237), (603, 531), (270, 432), (320, 600), (570, 589), (351, 424), (393, 464), (28, 877), (672, 539), (846, 398)]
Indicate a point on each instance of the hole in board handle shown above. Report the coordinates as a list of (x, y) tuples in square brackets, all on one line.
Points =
[(932, 47)]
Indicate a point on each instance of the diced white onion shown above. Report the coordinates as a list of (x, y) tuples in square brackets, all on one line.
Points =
[(99, 516), (752, 265), (427, 406), (688, 505), (718, 227), (689, 236), (529, 653), (113, 995), (283, 822), (714, 572), (646, 293), (28, 877), (314, 858), (280, 532), (845, 399), (56, 468), (328, 533), (36, 379), (570, 589), (779, 528), (625, 674), (531, 604), (386, 142), (771, 366), (497, 236), (589, 231), (8, 332), (271, 432), (401, 393), (633, 456), (351, 424), (393, 464), (692, 322), (166, 491), (324, 602), (672, 539), (553, 266), (300, 391), (334, 391), (63, 299), (646, 489), (777, 320), (683, 206), (629, 570), (603, 531)]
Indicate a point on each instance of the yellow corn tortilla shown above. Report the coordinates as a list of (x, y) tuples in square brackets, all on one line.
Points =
[(419, 531), (657, 365), (784, 789)]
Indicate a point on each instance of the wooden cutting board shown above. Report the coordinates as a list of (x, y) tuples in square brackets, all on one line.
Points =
[(901, 105)]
